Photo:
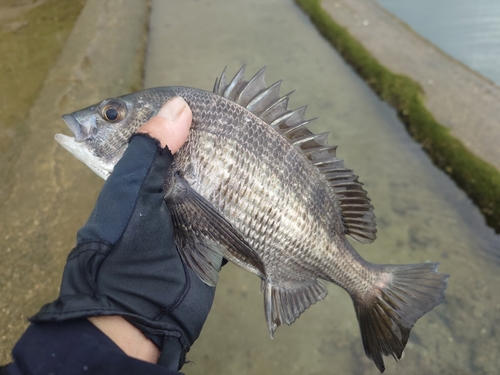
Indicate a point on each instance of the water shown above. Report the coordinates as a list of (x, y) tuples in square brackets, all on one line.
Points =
[(467, 30), (421, 214)]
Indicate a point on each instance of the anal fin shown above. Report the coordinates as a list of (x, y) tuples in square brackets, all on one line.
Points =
[(203, 236), (284, 305)]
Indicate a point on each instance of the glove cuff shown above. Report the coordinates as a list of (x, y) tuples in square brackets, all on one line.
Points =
[(171, 342), (173, 355)]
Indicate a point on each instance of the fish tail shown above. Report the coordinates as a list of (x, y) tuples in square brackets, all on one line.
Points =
[(387, 313)]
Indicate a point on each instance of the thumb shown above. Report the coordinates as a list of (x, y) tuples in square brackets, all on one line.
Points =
[(171, 125)]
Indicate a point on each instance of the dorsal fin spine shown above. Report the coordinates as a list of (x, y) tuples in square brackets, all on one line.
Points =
[(326, 161), (272, 112), (220, 85), (216, 85), (311, 141), (297, 116), (282, 119), (253, 87), (314, 153), (266, 98), (295, 127), (231, 90), (355, 207)]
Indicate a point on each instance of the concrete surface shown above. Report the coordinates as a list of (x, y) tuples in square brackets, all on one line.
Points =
[(458, 97), (49, 195), (421, 215), (10, 12)]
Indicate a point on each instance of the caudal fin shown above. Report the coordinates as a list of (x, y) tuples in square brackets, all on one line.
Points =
[(387, 314)]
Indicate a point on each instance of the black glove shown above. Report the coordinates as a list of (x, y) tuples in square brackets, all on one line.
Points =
[(126, 262)]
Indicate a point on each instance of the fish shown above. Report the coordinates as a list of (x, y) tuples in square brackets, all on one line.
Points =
[(252, 184)]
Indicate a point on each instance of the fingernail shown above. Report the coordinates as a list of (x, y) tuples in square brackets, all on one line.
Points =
[(173, 108)]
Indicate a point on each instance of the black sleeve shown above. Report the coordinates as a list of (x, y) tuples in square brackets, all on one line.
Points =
[(126, 261), (74, 347)]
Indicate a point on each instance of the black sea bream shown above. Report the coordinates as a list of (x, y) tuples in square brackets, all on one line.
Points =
[(254, 185)]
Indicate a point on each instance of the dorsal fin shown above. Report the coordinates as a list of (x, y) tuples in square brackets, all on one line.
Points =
[(261, 102), (220, 83), (265, 102), (251, 88), (234, 87)]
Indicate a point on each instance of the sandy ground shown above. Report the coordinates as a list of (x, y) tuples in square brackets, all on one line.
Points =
[(459, 98)]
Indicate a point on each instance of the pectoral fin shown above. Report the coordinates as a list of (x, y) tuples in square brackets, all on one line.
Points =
[(203, 236)]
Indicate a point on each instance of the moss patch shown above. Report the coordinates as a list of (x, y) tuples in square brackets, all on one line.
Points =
[(29, 45), (480, 180)]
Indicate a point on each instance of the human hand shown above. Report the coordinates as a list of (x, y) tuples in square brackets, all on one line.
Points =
[(171, 125), (126, 262)]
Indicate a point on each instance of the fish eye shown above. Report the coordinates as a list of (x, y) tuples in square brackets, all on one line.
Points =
[(113, 111), (111, 114)]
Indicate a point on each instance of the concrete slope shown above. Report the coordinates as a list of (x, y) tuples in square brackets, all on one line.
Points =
[(458, 97), (50, 195), (421, 214)]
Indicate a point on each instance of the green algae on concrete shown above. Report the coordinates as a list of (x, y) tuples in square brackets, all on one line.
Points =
[(479, 179)]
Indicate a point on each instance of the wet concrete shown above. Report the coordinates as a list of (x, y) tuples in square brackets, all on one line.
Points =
[(11, 9), (32, 35), (49, 195), (459, 98), (422, 216)]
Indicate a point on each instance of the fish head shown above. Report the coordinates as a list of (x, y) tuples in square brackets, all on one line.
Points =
[(102, 131)]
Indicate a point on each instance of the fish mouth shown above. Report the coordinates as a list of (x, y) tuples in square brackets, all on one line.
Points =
[(74, 126), (81, 131)]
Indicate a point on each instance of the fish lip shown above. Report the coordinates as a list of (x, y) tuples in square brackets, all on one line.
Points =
[(74, 126)]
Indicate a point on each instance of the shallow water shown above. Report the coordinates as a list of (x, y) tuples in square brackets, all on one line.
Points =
[(421, 215), (467, 30)]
